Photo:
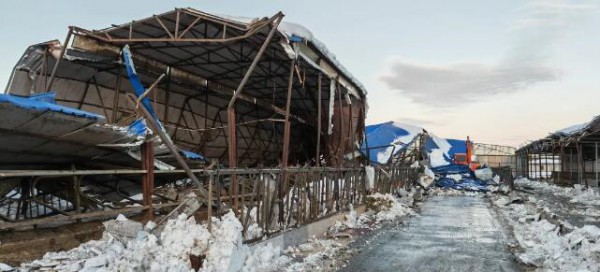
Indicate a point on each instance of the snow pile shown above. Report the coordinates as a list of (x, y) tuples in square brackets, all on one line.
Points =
[(254, 230), (323, 251), (577, 193), (265, 258), (385, 207), (5, 267), (452, 192), (169, 251), (589, 196), (536, 185), (484, 174), (544, 246)]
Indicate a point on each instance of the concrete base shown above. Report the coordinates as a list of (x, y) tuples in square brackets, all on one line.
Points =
[(301, 235)]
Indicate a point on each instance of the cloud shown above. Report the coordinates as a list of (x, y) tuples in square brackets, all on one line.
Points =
[(418, 121), (447, 85), (538, 27)]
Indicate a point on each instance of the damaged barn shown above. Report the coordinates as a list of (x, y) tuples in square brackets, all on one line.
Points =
[(246, 110), (568, 156)]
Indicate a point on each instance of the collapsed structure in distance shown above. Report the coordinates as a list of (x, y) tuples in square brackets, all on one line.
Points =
[(568, 156)]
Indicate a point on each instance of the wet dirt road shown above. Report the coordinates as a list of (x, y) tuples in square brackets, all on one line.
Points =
[(452, 233)]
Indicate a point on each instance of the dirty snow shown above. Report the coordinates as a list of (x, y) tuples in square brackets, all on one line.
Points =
[(127, 246), (547, 241), (168, 251)]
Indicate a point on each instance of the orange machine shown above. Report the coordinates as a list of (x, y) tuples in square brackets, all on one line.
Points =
[(467, 159)]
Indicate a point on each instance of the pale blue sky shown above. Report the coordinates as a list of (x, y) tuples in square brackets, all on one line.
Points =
[(500, 71)]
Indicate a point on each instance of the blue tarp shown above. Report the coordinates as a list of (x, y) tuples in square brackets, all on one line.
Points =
[(138, 127), (381, 137), (465, 184), (191, 155), (46, 102), (452, 169), (456, 146), (139, 89), (136, 83)]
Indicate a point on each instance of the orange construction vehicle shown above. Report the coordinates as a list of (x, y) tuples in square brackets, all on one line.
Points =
[(467, 159)]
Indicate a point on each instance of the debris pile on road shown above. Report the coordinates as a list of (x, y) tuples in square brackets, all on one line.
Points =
[(461, 177), (548, 241)]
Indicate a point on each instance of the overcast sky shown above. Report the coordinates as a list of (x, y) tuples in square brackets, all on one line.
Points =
[(503, 72)]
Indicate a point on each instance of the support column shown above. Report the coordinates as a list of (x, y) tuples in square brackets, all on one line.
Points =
[(232, 138), (319, 117), (232, 152), (286, 141), (148, 178)]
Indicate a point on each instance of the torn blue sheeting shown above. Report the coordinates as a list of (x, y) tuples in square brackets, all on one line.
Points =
[(46, 102), (387, 139), (470, 184), (465, 184), (456, 146), (136, 83), (452, 169), (191, 155), (444, 183), (138, 127)]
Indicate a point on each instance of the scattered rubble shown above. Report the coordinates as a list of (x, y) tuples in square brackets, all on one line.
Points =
[(547, 241)]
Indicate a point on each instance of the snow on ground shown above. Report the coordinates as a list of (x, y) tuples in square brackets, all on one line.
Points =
[(577, 193), (127, 246), (452, 192), (320, 254), (548, 241), (168, 251)]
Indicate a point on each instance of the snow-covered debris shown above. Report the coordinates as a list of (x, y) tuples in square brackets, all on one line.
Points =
[(385, 207), (577, 193), (370, 174), (485, 174), (426, 178), (122, 228), (169, 251), (5, 267), (544, 243)]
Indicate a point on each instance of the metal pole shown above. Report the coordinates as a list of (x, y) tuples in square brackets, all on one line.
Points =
[(232, 148), (319, 117), (116, 96), (148, 178), (286, 132), (171, 146), (286, 139), (237, 92), (596, 161), (62, 54)]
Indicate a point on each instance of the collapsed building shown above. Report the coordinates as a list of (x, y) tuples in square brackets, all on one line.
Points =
[(568, 156), (411, 156), (183, 97)]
